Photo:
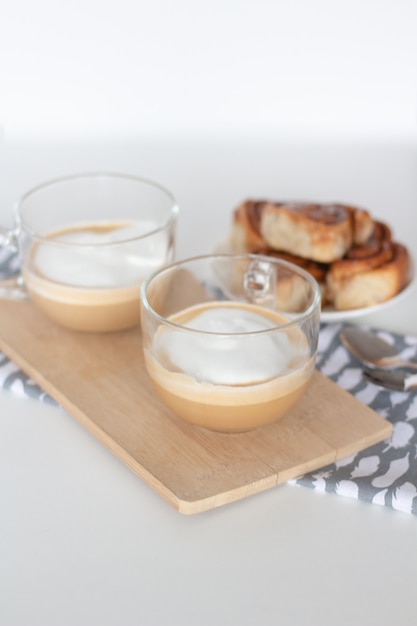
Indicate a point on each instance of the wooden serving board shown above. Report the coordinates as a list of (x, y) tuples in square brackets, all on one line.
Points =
[(101, 381)]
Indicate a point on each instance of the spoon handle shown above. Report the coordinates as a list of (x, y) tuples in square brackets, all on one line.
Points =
[(411, 365), (395, 380)]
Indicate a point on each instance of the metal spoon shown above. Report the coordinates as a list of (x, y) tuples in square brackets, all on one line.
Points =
[(396, 380), (371, 349)]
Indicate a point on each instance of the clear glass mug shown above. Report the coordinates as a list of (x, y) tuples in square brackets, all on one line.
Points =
[(230, 340), (85, 244)]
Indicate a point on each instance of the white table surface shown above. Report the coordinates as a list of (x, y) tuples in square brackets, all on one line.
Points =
[(84, 542)]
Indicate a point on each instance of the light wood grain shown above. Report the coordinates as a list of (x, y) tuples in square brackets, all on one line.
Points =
[(101, 381)]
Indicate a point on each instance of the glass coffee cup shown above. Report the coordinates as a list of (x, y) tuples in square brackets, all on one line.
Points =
[(230, 341), (85, 245)]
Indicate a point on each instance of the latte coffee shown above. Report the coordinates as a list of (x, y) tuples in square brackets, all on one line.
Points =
[(234, 372), (87, 276)]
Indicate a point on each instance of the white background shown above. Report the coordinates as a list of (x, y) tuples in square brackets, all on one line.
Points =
[(312, 100), (88, 67)]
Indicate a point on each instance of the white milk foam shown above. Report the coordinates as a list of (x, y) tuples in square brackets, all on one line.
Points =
[(102, 266), (227, 359)]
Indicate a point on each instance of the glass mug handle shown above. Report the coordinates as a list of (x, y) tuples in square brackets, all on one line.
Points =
[(11, 288)]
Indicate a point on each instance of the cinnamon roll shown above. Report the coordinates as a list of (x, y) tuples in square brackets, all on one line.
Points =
[(369, 274), (352, 256), (320, 232), (317, 270), (245, 234)]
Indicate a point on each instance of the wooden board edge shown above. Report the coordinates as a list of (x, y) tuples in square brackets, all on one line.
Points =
[(193, 507), (383, 434)]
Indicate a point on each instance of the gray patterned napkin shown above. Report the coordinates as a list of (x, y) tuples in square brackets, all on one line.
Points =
[(384, 474), (12, 378)]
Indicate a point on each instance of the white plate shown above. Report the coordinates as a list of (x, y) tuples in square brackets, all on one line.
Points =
[(328, 315)]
